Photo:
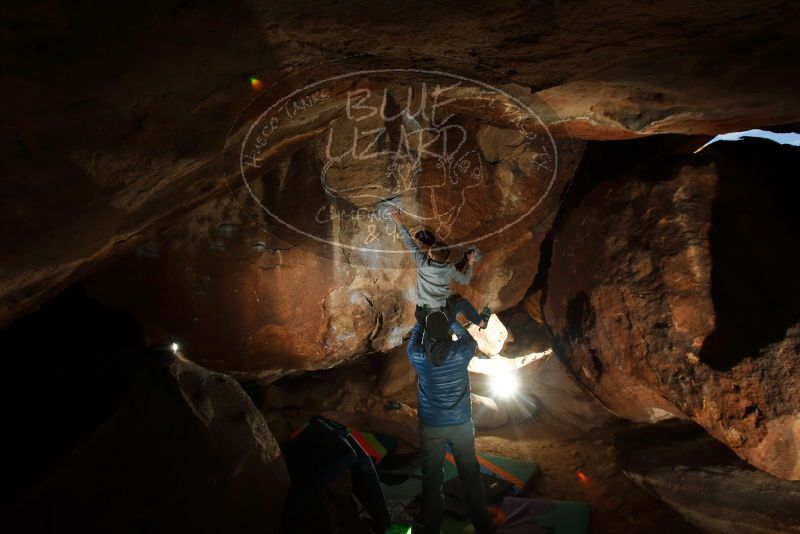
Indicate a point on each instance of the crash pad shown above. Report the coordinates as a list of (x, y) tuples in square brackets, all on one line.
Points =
[(518, 472), (401, 485), (534, 516), (377, 446), (531, 516)]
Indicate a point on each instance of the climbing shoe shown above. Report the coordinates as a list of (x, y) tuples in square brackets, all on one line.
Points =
[(485, 314)]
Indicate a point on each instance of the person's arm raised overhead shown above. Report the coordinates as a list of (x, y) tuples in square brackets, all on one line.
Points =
[(464, 277), (408, 241)]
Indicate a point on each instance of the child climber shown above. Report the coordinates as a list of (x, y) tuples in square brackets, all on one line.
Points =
[(434, 274)]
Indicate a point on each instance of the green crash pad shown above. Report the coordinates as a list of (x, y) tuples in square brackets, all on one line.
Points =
[(558, 517), (517, 472)]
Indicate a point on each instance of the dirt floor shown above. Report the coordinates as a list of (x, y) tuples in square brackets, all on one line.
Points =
[(581, 466), (575, 465)]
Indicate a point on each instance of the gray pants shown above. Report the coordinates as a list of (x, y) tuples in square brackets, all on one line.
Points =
[(433, 446)]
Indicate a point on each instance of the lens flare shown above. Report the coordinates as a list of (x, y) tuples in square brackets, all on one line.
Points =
[(505, 385), (256, 84), (174, 347)]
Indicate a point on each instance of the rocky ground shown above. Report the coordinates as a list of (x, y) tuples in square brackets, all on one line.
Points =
[(637, 477), (562, 450), (582, 466)]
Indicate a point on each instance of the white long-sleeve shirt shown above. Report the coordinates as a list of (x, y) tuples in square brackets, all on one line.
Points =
[(433, 277)]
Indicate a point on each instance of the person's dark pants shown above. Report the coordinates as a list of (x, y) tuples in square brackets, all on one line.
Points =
[(458, 304), (433, 446), (455, 305)]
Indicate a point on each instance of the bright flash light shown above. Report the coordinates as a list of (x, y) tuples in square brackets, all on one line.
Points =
[(504, 385), (174, 347)]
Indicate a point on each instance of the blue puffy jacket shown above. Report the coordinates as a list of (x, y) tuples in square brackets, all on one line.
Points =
[(443, 393)]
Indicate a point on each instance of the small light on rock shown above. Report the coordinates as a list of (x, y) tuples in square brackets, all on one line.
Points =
[(256, 84)]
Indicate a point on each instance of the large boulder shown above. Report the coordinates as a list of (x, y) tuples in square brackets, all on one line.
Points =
[(673, 293), (487, 413), (117, 129), (707, 484), (526, 335), (283, 274), (396, 379), (187, 451), (557, 392), (544, 387)]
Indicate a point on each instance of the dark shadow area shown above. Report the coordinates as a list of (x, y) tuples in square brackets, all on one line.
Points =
[(703, 480), (580, 315), (184, 452), (754, 239), (116, 81), (755, 249), (651, 158), (545, 259), (67, 368), (632, 444), (526, 334)]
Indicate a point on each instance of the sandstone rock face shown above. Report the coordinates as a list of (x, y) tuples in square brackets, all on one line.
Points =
[(525, 334), (240, 301), (402, 422), (257, 297), (486, 413), (188, 451), (397, 379), (609, 69), (110, 136), (557, 392), (707, 484), (120, 123), (674, 295), (545, 387)]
